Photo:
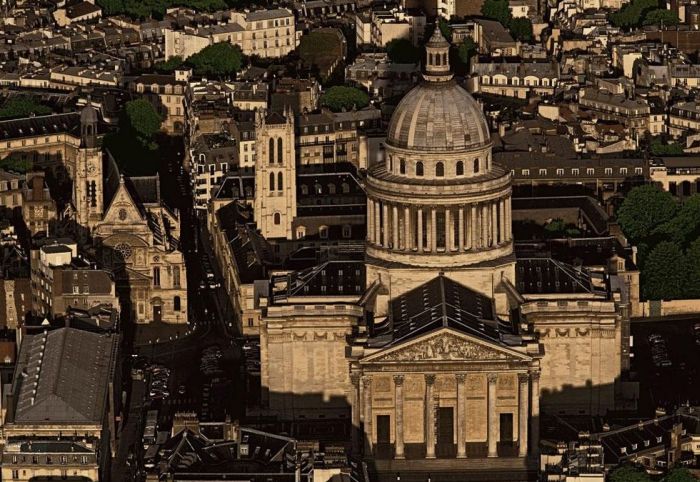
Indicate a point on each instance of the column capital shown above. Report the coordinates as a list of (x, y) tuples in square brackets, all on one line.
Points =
[(492, 378), (461, 377), (398, 380), (429, 378), (535, 376), (366, 380), (355, 378), (523, 377)]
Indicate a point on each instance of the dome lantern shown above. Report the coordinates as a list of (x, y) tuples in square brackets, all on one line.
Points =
[(437, 58)]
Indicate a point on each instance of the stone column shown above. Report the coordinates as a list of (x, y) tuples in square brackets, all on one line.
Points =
[(501, 221), (433, 230), (523, 412), (356, 407), (398, 386), (534, 412), (367, 387), (493, 423), (471, 227), (408, 242), (485, 225), (429, 417), (377, 223), (461, 229), (395, 227), (494, 223), (370, 221), (385, 225), (420, 229), (449, 230), (509, 220), (461, 416)]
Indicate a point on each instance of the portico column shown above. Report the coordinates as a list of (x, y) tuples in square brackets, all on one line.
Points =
[(433, 230), (509, 221), (385, 225), (398, 385), (461, 229), (494, 223), (534, 412), (370, 221), (429, 417), (461, 416), (407, 244), (471, 226), (501, 221), (367, 387), (377, 223), (493, 424), (356, 406), (395, 227), (523, 380), (484, 226), (419, 234)]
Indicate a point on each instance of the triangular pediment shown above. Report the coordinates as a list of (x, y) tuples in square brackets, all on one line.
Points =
[(123, 209), (446, 345)]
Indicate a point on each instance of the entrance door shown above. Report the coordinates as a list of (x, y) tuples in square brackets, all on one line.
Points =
[(445, 435), (157, 313), (506, 427), (383, 429)]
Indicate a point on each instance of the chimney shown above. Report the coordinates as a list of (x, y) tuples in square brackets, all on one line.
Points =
[(37, 187)]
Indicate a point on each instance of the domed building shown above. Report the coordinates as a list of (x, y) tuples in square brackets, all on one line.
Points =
[(438, 202)]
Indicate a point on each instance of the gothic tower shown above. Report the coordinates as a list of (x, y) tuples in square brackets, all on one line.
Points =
[(275, 174), (437, 202), (88, 182)]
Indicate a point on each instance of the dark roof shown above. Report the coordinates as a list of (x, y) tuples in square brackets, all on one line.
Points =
[(440, 303), (145, 189), (549, 276), (332, 278), (41, 125), (250, 251), (82, 8), (275, 118)]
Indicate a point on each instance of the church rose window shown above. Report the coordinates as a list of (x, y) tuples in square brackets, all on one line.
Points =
[(124, 250)]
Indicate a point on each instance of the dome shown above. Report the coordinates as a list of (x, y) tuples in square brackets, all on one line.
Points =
[(438, 116), (89, 114)]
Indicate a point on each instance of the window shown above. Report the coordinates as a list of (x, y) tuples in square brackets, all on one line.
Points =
[(280, 183), (402, 166), (345, 187), (176, 303), (318, 189), (560, 172), (250, 322), (590, 171), (460, 168), (156, 276), (176, 276), (623, 171), (440, 169), (608, 171), (543, 172), (638, 170), (272, 181), (323, 232), (347, 231), (476, 166), (280, 152), (525, 172), (574, 171), (277, 219), (271, 154), (304, 190), (419, 168), (301, 232)]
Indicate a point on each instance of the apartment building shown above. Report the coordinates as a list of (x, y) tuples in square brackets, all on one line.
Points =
[(515, 79), (683, 118), (379, 27), (166, 93)]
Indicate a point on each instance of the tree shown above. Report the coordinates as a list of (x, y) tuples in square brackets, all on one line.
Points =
[(661, 17), (628, 474), (664, 272), (521, 29), (685, 225), (22, 106), (402, 51), (692, 260), (644, 208), (340, 97), (632, 14), (218, 60), (15, 164), (680, 475), (445, 29), (497, 10), (143, 121), (466, 50), (658, 148), (168, 66)]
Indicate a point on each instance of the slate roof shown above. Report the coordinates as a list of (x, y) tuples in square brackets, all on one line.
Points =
[(332, 278), (440, 303), (41, 125), (62, 377), (549, 276), (146, 189)]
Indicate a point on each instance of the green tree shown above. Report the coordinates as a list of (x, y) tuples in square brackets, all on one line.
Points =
[(644, 208), (402, 51), (680, 475), (632, 14), (692, 285), (497, 10), (521, 29), (111, 7), (340, 97), (168, 66), (15, 164), (628, 474), (664, 272), (143, 121), (22, 106), (684, 226), (445, 29), (466, 50), (661, 17), (658, 148), (218, 60)]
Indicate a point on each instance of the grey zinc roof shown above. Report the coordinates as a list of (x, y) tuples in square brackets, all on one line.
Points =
[(62, 377), (438, 116)]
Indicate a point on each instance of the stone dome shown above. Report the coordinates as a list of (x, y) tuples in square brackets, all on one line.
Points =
[(438, 116)]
